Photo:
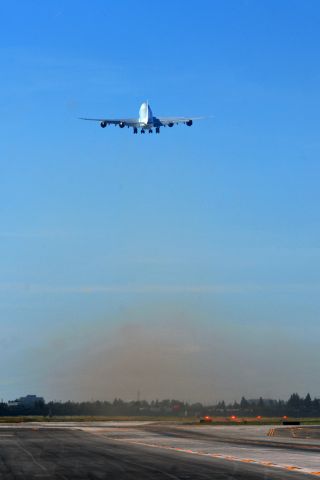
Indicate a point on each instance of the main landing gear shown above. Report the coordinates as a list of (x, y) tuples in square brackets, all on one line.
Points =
[(150, 130)]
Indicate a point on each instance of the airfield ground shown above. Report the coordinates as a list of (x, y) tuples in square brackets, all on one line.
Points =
[(178, 420), (157, 450)]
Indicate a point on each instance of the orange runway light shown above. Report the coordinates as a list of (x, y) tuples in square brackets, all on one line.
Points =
[(206, 419), (233, 417)]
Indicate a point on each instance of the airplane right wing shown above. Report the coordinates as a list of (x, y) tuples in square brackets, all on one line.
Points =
[(122, 122)]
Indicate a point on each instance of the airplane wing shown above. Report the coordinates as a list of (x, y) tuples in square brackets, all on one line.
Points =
[(176, 120), (124, 122)]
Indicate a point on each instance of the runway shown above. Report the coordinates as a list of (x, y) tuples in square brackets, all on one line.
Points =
[(142, 450)]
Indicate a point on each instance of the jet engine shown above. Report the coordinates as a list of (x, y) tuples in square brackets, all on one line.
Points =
[(170, 124), (121, 124), (103, 124), (189, 123)]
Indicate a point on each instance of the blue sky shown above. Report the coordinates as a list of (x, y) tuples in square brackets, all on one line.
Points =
[(212, 231)]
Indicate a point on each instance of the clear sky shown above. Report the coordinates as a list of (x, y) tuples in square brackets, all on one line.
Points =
[(184, 264)]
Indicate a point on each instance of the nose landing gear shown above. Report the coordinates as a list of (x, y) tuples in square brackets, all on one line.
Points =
[(142, 130)]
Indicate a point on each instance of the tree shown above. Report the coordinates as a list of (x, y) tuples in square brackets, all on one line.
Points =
[(308, 402), (316, 405), (294, 401), (244, 404)]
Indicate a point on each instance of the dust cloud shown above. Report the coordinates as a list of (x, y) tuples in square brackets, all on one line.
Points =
[(158, 354), (170, 353)]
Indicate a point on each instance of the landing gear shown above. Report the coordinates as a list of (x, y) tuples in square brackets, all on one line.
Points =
[(150, 130), (135, 130), (142, 130), (157, 129)]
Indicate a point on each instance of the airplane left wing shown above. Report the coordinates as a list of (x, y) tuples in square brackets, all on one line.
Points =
[(175, 120)]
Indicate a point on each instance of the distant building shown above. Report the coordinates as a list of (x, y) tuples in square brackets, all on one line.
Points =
[(268, 402), (29, 401)]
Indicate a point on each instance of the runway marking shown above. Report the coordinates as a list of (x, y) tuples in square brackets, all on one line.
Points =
[(42, 467), (221, 456)]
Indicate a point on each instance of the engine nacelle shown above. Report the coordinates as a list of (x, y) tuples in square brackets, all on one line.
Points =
[(189, 123), (170, 124), (121, 124), (103, 124)]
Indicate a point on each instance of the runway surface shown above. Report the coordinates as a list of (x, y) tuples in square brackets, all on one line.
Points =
[(142, 450)]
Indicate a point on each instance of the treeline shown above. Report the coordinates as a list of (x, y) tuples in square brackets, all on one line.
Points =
[(295, 406)]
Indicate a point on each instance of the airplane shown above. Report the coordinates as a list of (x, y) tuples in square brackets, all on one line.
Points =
[(146, 121)]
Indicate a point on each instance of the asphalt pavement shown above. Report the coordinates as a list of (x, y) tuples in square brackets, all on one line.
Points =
[(97, 451)]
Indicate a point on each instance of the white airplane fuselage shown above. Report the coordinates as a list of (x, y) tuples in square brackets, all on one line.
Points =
[(145, 115)]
